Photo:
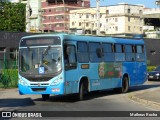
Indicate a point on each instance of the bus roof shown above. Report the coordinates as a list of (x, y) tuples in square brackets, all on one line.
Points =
[(87, 38), (104, 39)]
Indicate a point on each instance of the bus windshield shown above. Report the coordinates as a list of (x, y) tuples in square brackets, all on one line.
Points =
[(48, 58)]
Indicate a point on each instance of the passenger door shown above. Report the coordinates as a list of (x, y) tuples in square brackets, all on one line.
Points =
[(71, 71)]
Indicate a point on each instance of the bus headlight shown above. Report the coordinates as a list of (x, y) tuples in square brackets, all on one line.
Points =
[(57, 81), (22, 82)]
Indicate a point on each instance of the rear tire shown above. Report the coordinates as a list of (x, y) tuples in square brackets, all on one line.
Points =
[(125, 85), (45, 97)]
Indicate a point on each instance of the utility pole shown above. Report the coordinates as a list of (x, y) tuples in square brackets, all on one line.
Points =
[(64, 16), (82, 3), (98, 17), (28, 16)]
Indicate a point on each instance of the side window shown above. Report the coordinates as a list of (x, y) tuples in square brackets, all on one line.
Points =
[(119, 52), (139, 48), (119, 48), (95, 52), (70, 56), (108, 52), (130, 55), (82, 52), (140, 53)]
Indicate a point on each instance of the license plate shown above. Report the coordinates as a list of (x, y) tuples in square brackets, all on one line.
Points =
[(150, 76)]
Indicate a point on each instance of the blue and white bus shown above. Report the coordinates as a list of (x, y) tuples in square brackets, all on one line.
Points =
[(60, 64)]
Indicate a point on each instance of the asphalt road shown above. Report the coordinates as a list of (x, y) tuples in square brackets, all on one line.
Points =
[(10, 100)]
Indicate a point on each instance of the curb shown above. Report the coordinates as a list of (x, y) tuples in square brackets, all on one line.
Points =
[(152, 104)]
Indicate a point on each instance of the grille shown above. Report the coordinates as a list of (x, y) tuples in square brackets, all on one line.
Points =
[(39, 79), (38, 89), (37, 84)]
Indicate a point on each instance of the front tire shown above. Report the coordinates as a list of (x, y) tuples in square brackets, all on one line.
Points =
[(45, 97), (81, 92)]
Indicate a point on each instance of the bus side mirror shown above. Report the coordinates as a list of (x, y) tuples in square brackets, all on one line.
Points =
[(99, 52)]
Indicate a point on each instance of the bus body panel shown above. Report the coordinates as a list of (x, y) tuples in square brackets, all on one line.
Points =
[(100, 75), (141, 73), (136, 72), (130, 69)]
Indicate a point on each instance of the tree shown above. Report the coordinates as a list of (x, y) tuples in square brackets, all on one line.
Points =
[(12, 16)]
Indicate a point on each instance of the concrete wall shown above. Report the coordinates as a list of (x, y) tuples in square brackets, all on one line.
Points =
[(10, 40), (153, 51)]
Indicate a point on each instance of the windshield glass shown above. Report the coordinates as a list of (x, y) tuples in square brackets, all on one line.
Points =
[(157, 69), (43, 60)]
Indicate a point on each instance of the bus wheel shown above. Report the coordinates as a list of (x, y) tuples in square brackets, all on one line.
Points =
[(81, 91), (45, 97), (125, 85)]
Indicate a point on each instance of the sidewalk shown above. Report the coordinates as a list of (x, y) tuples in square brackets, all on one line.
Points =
[(149, 97)]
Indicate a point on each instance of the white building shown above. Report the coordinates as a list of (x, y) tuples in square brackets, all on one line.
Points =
[(14, 1), (33, 15), (120, 19)]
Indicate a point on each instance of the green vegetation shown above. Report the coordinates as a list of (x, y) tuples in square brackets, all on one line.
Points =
[(150, 68), (9, 78), (12, 16)]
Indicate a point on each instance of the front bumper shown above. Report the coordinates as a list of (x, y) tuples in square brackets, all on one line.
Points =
[(153, 77), (55, 90)]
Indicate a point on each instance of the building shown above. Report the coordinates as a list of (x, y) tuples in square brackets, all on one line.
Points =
[(14, 1), (121, 19), (151, 26), (24, 1), (56, 13), (33, 15)]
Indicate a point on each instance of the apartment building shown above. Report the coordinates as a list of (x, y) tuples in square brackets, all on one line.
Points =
[(55, 16), (120, 19)]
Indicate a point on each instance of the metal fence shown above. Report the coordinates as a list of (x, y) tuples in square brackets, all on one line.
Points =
[(9, 42), (8, 72)]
